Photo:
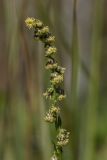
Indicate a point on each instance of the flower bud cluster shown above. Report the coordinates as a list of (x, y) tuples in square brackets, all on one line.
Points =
[(52, 114), (55, 93), (50, 51), (56, 78), (62, 137), (32, 22), (49, 93)]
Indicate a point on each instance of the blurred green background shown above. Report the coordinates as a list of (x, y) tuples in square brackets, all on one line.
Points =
[(80, 28)]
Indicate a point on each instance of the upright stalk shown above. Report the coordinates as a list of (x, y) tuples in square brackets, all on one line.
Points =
[(93, 98), (74, 80), (55, 92)]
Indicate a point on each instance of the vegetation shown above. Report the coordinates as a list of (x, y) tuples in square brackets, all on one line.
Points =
[(80, 30), (55, 92)]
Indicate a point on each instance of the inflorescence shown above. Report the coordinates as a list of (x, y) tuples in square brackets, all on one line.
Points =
[(54, 93)]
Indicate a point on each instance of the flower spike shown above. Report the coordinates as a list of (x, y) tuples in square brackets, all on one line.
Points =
[(54, 93)]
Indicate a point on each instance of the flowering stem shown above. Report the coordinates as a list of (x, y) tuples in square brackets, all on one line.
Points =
[(55, 93)]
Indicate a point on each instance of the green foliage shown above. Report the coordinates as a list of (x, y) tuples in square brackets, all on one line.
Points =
[(80, 29)]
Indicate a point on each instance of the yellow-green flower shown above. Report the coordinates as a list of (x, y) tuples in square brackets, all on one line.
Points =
[(52, 114), (50, 39), (30, 22), (62, 137), (57, 79), (50, 51), (51, 66), (61, 97), (39, 24), (45, 30), (49, 117)]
